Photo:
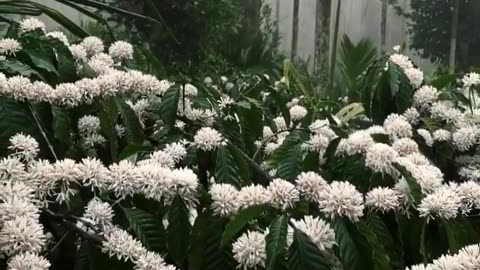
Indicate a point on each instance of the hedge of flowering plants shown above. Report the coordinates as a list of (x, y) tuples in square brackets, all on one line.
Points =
[(105, 166)]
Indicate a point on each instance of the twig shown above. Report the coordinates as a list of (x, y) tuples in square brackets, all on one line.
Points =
[(60, 241), (40, 127), (264, 142), (62, 219)]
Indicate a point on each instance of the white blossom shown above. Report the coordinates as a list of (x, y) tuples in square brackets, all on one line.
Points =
[(225, 200), (425, 96), (397, 126), (31, 24), (25, 146), (471, 79), (253, 195), (358, 142), (208, 139), (297, 112), (21, 235), (283, 194), (60, 36), (28, 261), (249, 250), (443, 203), (427, 137), (405, 146), (88, 124), (383, 199), (92, 45), (118, 243), (341, 199), (9, 46), (465, 137), (319, 231), (310, 184), (442, 135), (415, 76), (412, 115), (101, 213), (121, 50), (380, 157), (79, 52)]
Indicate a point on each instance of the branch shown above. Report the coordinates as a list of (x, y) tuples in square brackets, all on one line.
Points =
[(267, 140), (62, 219)]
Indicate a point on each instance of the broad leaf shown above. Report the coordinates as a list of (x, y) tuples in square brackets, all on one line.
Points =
[(290, 165), (304, 254), (353, 248), (178, 231), (133, 127), (148, 228), (240, 220), (226, 170), (169, 105), (108, 119), (277, 243)]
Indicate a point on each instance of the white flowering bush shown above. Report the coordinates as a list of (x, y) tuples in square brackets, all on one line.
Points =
[(106, 166)]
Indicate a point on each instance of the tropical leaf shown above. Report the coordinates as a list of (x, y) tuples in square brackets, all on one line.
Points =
[(226, 170), (240, 220), (205, 251), (290, 165), (108, 119), (304, 254), (62, 125), (148, 228), (169, 105), (178, 231), (353, 247), (415, 189), (381, 259), (134, 130), (277, 243)]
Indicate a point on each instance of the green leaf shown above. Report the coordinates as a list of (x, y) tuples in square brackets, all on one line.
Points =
[(278, 155), (353, 248), (62, 125), (381, 260), (134, 130), (304, 254), (178, 231), (240, 160), (442, 81), (277, 243), (108, 119), (459, 233), (15, 67), (311, 162), (240, 220), (290, 165), (226, 170), (281, 103), (148, 228), (169, 105), (205, 252), (415, 189), (81, 257)]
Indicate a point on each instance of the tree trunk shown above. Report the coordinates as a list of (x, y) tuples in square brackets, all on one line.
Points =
[(252, 15), (296, 6), (453, 37), (333, 59), (383, 27)]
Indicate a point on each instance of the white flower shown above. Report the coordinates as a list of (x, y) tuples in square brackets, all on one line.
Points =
[(225, 199), (341, 199), (253, 195), (32, 24), (186, 182), (442, 135), (99, 212), (79, 53), (310, 184), (425, 96), (10, 190), (267, 132), (280, 123), (412, 115), (176, 150), (428, 177), (161, 158), (118, 243), (41, 92), (415, 76), (93, 173), (152, 261), (208, 80), (319, 231), (380, 157), (121, 50), (469, 192), (383, 199), (469, 257), (120, 130), (11, 168), (19, 87), (190, 90), (28, 261), (18, 207), (25, 146), (317, 143), (225, 102), (446, 262), (397, 126), (427, 137), (283, 194), (60, 36), (417, 267), (358, 142), (21, 235), (92, 45), (88, 124), (471, 79), (443, 203), (297, 112), (405, 146), (67, 94), (418, 159), (401, 60), (9, 46), (123, 178), (445, 110), (208, 139), (465, 137), (249, 250)]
